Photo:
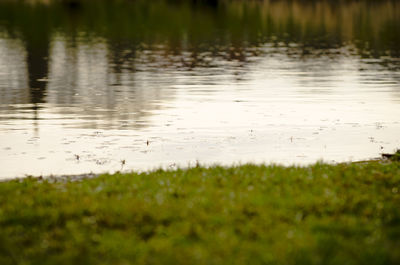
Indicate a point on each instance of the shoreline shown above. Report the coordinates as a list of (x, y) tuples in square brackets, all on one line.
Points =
[(320, 214), (77, 177)]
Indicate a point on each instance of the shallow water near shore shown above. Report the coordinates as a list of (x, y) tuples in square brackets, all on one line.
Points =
[(173, 85)]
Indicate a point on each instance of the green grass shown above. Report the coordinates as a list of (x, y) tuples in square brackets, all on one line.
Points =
[(321, 214)]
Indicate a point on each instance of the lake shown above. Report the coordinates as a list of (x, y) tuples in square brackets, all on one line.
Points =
[(105, 86)]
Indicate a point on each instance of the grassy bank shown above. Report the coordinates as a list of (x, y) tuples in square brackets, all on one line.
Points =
[(322, 214)]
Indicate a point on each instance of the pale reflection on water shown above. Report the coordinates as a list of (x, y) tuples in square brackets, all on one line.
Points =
[(274, 108), (81, 105)]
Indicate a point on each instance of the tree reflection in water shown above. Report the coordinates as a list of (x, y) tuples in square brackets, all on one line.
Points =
[(221, 81)]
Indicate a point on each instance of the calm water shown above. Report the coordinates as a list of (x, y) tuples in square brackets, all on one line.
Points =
[(88, 85)]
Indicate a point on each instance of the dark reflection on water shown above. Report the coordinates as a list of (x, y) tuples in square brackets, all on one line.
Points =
[(86, 52), (126, 64)]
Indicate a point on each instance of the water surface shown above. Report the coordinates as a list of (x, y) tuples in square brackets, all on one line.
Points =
[(119, 85)]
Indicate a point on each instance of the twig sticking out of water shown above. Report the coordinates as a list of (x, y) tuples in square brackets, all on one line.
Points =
[(123, 162)]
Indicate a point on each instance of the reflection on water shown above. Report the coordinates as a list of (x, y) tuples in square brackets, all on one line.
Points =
[(86, 85)]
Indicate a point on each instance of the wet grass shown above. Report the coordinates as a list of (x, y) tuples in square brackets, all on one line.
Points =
[(321, 214)]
